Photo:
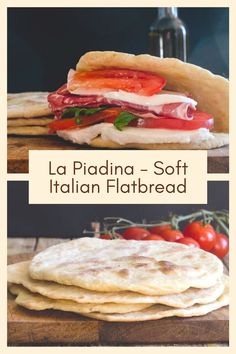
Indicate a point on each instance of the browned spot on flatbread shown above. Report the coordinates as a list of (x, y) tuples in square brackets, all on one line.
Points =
[(123, 273), (190, 256), (141, 258), (134, 258), (95, 261), (167, 267), (141, 265)]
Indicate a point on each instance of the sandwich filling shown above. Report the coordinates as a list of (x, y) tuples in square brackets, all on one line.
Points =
[(125, 106)]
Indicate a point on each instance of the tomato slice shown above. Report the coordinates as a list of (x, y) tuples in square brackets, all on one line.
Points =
[(200, 120), (142, 83), (62, 124), (85, 121)]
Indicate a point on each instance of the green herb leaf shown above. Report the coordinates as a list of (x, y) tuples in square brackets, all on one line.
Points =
[(123, 119), (78, 120), (81, 111)]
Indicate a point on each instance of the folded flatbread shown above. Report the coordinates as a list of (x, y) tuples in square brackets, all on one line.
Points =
[(209, 90), (187, 88)]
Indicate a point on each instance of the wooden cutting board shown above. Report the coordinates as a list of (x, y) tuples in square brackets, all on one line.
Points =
[(60, 328), (19, 146)]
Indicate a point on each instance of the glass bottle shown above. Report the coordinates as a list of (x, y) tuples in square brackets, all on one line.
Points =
[(168, 35)]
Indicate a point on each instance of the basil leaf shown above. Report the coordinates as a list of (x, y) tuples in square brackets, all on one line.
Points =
[(123, 119), (78, 120), (81, 111), (69, 112)]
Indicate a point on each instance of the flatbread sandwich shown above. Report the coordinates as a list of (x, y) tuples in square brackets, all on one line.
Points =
[(119, 100)]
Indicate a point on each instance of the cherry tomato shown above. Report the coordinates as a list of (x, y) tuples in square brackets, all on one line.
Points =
[(204, 234), (153, 237), (142, 83), (105, 237), (200, 120), (159, 229), (221, 247), (135, 233), (189, 241), (172, 235), (85, 121)]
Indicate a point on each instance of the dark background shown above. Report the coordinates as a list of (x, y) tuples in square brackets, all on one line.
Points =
[(70, 220), (43, 43)]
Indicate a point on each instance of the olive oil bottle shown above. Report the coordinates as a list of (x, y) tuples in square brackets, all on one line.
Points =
[(168, 35)]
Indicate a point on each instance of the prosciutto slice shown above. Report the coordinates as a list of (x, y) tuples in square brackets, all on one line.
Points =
[(62, 98)]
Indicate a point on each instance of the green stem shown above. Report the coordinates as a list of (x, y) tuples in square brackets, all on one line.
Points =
[(193, 215), (224, 227), (219, 217)]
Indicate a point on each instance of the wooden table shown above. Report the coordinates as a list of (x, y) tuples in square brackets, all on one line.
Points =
[(19, 146), (31, 245)]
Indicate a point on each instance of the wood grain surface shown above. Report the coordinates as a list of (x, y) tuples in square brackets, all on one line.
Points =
[(19, 146), (27, 327)]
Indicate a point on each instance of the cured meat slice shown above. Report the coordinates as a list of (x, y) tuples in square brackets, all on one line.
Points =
[(61, 99)]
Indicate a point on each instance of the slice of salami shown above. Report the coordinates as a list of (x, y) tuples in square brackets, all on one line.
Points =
[(61, 99)]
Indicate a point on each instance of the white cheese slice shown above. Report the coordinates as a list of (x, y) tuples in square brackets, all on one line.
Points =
[(82, 136), (107, 131), (154, 100)]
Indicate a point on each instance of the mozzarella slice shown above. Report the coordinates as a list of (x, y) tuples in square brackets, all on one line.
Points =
[(107, 132), (82, 136), (154, 100)]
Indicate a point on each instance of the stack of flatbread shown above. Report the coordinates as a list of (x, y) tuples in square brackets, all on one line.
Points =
[(119, 280), (28, 113)]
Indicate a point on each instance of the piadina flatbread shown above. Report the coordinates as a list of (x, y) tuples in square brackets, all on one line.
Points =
[(157, 312), (34, 301), (28, 114), (24, 122), (18, 273), (28, 130), (116, 312), (149, 268), (218, 140), (27, 105), (120, 280)]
